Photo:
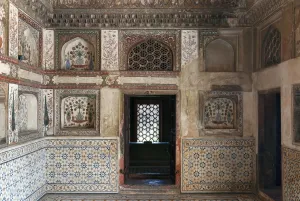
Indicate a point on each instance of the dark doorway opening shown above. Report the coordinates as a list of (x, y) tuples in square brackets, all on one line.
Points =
[(269, 150), (150, 140)]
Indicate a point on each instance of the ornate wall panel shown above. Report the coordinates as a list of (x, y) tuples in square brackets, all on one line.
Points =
[(29, 41), (77, 50), (23, 172), (222, 113), (48, 49), (148, 4), (3, 113), (131, 38), (77, 112), (3, 26), (30, 109), (13, 102), (189, 46), (109, 50), (271, 47), (13, 31), (82, 165), (291, 173), (48, 111), (218, 165)]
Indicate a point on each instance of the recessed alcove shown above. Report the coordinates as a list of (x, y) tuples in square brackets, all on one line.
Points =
[(28, 114)]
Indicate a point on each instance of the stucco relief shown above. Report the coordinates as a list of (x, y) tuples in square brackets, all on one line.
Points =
[(48, 49), (77, 50), (109, 50), (189, 46), (13, 31), (13, 102)]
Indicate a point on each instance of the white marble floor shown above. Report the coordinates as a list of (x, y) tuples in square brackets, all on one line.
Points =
[(148, 197)]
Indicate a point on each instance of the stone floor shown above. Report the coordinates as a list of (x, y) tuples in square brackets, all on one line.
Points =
[(148, 197)]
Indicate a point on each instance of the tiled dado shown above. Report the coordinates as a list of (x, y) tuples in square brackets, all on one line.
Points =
[(218, 165), (50, 165), (291, 174)]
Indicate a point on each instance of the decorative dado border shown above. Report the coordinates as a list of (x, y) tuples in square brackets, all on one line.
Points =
[(37, 93), (63, 36), (59, 94), (130, 38), (24, 17), (237, 96)]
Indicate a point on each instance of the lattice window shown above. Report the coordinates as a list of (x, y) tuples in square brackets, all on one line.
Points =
[(272, 47), (150, 55), (147, 122)]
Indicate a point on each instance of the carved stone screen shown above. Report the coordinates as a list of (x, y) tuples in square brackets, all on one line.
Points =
[(272, 47), (148, 122), (150, 55)]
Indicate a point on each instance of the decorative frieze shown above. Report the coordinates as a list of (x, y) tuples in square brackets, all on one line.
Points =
[(109, 50)]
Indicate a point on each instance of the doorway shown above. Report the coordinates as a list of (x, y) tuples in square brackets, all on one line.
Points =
[(150, 139), (269, 141)]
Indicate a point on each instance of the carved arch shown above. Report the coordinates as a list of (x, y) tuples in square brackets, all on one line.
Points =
[(150, 55), (271, 47), (219, 56)]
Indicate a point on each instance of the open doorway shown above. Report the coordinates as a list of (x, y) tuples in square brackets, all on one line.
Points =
[(150, 140), (269, 150)]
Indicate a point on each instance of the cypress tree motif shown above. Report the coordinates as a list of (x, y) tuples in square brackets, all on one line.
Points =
[(13, 120), (46, 115)]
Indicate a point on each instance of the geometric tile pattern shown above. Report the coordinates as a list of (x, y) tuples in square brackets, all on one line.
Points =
[(82, 165), (30, 170), (291, 173), (22, 171), (218, 165)]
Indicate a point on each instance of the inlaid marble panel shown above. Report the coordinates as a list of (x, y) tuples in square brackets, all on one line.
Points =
[(218, 165), (222, 113), (82, 165), (13, 31), (189, 46), (291, 173), (48, 49), (109, 50), (77, 112), (77, 50)]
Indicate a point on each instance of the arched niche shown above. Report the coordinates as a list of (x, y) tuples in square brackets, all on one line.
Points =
[(219, 56), (28, 113), (2, 116), (77, 54)]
